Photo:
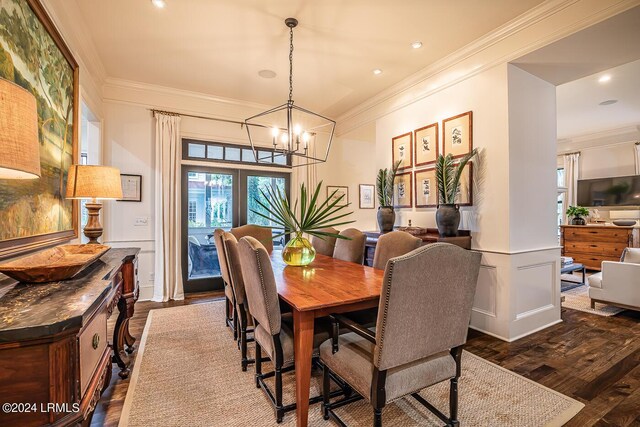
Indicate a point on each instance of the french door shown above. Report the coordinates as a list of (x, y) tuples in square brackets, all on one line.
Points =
[(219, 198)]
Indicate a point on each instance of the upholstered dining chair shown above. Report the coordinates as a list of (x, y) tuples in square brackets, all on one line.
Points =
[(273, 333), (393, 244), (352, 248), (325, 245), (261, 234), (423, 317), (230, 311), (244, 319)]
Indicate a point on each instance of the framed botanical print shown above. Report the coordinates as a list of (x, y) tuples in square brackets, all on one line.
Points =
[(402, 190), (426, 188), (465, 192), (335, 191), (457, 134), (367, 196), (426, 144), (402, 150), (35, 213)]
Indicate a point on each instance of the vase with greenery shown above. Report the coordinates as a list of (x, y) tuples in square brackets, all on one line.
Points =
[(384, 188), (577, 214), (448, 174), (308, 215)]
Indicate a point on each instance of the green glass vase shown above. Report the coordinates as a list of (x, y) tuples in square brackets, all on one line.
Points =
[(298, 251)]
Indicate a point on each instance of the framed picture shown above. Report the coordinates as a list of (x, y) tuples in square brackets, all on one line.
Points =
[(402, 190), (401, 145), (426, 188), (131, 188), (367, 196), (457, 134), (339, 191), (426, 144), (35, 213), (465, 192)]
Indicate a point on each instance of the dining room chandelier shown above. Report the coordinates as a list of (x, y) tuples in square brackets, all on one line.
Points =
[(300, 135)]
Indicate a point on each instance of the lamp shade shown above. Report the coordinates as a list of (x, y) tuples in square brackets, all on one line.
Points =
[(93, 182), (19, 146)]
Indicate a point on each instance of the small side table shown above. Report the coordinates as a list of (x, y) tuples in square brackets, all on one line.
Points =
[(575, 267)]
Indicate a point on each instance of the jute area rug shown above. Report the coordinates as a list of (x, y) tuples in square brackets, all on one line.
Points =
[(187, 373), (578, 299)]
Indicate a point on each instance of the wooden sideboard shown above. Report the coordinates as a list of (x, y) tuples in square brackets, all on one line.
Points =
[(591, 244), (55, 355), (428, 235)]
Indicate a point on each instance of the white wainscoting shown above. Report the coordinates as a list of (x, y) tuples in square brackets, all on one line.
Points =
[(518, 293), (145, 263)]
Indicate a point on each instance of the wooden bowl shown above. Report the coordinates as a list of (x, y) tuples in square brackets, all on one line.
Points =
[(53, 265)]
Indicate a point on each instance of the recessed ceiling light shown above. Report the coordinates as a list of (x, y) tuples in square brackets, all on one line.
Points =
[(377, 71), (609, 102), (160, 4), (604, 78), (267, 74), (416, 45)]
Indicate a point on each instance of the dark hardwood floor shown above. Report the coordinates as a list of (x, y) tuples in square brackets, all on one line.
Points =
[(593, 359)]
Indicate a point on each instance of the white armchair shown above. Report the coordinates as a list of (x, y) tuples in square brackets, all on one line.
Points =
[(619, 282)]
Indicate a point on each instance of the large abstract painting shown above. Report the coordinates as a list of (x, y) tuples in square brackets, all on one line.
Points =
[(34, 213)]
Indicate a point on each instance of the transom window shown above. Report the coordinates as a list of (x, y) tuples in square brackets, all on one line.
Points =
[(230, 153)]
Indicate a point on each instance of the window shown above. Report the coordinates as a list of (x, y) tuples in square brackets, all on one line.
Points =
[(562, 194), (193, 209), (230, 153)]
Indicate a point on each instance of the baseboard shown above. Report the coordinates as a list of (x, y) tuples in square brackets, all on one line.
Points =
[(146, 293)]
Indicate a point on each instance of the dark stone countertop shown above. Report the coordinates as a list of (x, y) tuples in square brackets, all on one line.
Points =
[(31, 311)]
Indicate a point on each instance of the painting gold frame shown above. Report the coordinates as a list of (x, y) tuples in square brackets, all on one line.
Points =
[(457, 135), (403, 190), (426, 145), (28, 242), (402, 149), (423, 201)]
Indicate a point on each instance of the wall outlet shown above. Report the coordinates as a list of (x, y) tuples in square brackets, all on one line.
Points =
[(141, 221)]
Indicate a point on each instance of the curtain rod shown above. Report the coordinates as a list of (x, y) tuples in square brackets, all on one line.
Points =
[(567, 154), (172, 113)]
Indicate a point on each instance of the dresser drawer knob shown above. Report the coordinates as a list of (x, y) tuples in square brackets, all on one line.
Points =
[(95, 342)]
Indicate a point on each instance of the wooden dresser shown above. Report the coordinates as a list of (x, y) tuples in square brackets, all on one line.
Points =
[(591, 244), (55, 354), (428, 235)]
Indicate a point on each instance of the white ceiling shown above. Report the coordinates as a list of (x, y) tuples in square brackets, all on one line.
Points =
[(217, 47), (579, 112)]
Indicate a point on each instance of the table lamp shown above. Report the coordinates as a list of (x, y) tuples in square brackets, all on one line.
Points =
[(19, 145), (94, 183)]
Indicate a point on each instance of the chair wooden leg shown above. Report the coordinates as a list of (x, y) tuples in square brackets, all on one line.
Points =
[(243, 349), (593, 305), (453, 403), (258, 364), (279, 408), (377, 417), (326, 390)]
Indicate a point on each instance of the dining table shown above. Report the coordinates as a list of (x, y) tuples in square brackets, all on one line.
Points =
[(326, 286)]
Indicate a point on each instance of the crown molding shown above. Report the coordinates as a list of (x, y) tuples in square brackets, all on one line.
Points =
[(599, 139), (422, 84)]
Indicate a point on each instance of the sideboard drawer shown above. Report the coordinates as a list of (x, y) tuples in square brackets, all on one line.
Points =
[(597, 234), (92, 344), (600, 248)]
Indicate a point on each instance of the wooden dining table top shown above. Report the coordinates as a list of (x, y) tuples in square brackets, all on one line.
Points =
[(326, 282)]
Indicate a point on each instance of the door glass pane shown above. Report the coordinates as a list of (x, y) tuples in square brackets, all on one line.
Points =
[(254, 185), (215, 152), (210, 206), (197, 150), (231, 153)]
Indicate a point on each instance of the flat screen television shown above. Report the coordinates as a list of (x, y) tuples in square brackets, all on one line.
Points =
[(615, 191)]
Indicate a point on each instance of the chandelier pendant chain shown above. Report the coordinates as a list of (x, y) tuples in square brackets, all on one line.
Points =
[(290, 64)]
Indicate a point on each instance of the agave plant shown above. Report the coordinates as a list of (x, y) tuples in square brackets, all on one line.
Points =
[(448, 176), (384, 184), (309, 216)]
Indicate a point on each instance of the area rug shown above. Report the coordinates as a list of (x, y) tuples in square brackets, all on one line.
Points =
[(187, 372), (578, 299)]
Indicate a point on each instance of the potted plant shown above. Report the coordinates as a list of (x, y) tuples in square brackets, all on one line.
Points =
[(576, 213), (448, 179), (310, 216), (384, 188)]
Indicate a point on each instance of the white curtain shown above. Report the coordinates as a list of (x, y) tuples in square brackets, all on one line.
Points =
[(168, 264), (637, 153), (571, 172)]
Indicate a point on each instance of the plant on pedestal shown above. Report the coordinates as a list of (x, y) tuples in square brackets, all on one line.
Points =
[(311, 218), (384, 188), (448, 179)]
